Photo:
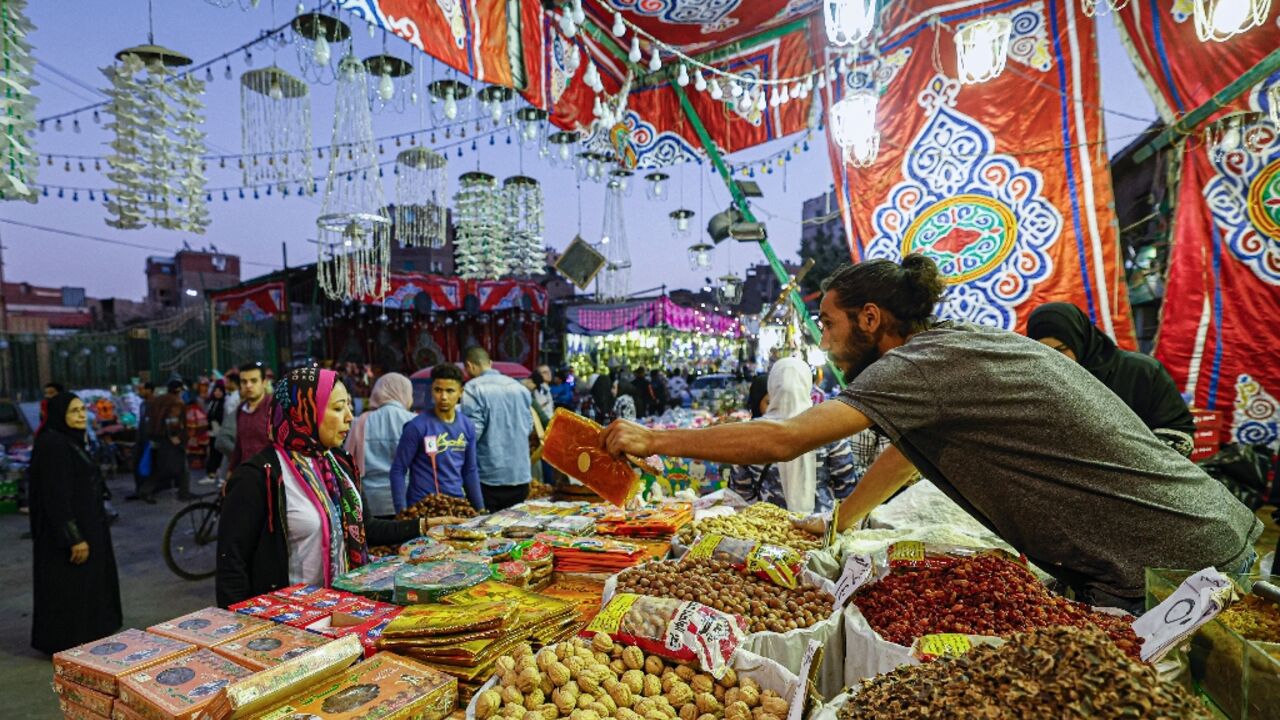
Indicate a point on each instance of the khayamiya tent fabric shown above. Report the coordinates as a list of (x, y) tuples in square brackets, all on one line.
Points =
[(1218, 331), (1005, 183)]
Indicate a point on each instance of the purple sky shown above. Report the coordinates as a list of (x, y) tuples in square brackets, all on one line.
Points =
[(75, 39)]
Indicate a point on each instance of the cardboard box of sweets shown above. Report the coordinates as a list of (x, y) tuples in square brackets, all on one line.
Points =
[(313, 596), (385, 686), (268, 688), (91, 700), (72, 711), (100, 664), (209, 627), (120, 711), (270, 607), (269, 646), (368, 632), (180, 689)]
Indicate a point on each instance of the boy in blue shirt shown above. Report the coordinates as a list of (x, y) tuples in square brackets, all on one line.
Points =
[(438, 449)]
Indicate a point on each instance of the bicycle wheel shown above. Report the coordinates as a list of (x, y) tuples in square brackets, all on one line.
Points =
[(191, 541)]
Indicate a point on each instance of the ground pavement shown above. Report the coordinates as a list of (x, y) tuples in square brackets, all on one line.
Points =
[(149, 593)]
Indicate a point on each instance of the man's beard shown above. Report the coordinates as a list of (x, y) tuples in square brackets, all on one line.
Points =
[(859, 352)]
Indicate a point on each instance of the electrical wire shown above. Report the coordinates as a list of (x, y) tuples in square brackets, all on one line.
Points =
[(108, 241)]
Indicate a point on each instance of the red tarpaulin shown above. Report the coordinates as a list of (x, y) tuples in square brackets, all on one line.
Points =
[(1219, 326), (255, 303), (1003, 183)]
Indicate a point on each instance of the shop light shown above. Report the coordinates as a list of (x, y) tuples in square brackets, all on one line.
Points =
[(853, 124), (982, 47), (848, 21)]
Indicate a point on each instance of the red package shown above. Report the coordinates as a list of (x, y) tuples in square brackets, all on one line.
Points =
[(693, 631), (257, 605), (572, 446), (359, 611), (368, 632), (313, 596)]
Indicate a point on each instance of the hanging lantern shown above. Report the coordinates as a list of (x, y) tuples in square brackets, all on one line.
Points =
[(982, 47), (445, 95), (18, 160), (562, 143), (386, 88), (730, 289), (848, 21), (493, 100), (592, 166), (480, 236), (275, 127), (700, 256), (615, 279), (313, 36), (853, 125), (1220, 20), (681, 224), (531, 121), (622, 177), (354, 229), (421, 204), (656, 185), (523, 197)]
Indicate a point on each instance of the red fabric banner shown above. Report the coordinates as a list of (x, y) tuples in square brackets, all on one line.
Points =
[(697, 25), (1003, 183), (255, 303), (468, 35)]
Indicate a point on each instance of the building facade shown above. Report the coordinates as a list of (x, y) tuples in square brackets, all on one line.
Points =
[(187, 277)]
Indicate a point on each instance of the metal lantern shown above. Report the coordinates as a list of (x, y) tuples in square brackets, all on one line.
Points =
[(354, 229), (982, 47), (422, 218), (387, 89), (730, 289), (656, 185), (480, 237), (275, 128), (445, 96), (314, 34), (592, 166), (615, 279), (531, 121), (1220, 20), (493, 101), (853, 125), (700, 256), (562, 143), (622, 177), (681, 224), (523, 196)]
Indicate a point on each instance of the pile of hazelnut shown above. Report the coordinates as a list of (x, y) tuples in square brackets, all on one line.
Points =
[(598, 678)]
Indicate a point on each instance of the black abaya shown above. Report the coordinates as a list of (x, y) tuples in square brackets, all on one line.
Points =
[(73, 603)]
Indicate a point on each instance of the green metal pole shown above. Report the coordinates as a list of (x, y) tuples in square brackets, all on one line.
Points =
[(1221, 99)]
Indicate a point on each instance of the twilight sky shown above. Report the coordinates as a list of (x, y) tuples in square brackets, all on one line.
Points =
[(73, 38)]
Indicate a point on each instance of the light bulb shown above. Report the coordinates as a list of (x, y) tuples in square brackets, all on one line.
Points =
[(634, 54), (760, 101), (320, 53), (301, 8), (226, 73), (495, 112), (579, 16), (275, 92), (783, 96), (619, 28), (716, 92), (655, 62), (699, 81), (735, 90), (450, 107), (564, 152), (386, 88), (682, 77), (604, 240)]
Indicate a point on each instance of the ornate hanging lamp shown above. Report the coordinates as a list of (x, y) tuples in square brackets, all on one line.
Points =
[(388, 90), (523, 197), (314, 35), (562, 143), (615, 279), (656, 185), (445, 98), (982, 47), (354, 229), (848, 21), (700, 255), (681, 222), (532, 124), (593, 166), (729, 289), (422, 218), (622, 177), (1220, 20), (480, 236), (17, 105), (494, 100), (853, 126), (275, 128)]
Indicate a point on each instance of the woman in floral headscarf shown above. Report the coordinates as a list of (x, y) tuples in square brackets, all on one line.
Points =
[(294, 513)]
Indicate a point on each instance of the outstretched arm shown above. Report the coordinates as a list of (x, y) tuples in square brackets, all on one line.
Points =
[(886, 475), (745, 443)]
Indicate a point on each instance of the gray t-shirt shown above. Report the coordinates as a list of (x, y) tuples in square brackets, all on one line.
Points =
[(1046, 456)]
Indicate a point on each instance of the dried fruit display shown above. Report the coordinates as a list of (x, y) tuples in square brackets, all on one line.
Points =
[(719, 585), (437, 505), (1253, 619), (1058, 672), (981, 595), (600, 679), (762, 521)]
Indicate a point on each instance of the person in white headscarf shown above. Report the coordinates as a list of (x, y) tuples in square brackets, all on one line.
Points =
[(810, 483), (374, 436)]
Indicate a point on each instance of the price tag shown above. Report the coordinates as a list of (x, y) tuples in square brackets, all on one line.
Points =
[(705, 547), (944, 645), (857, 571), (906, 551), (431, 445), (1196, 601), (796, 711)]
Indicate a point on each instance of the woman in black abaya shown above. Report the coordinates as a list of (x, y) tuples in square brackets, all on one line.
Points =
[(77, 590)]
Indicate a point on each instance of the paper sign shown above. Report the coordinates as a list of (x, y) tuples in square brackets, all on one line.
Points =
[(857, 571), (1196, 601), (796, 711), (705, 547)]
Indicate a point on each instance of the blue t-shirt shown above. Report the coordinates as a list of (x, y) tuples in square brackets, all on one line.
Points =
[(455, 471)]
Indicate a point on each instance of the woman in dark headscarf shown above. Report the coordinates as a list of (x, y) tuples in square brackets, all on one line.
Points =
[(602, 395), (758, 396), (77, 590), (294, 513), (1140, 380)]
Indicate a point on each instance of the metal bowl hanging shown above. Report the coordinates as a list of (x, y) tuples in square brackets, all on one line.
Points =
[(531, 121), (563, 140), (656, 187), (151, 53), (445, 95), (493, 98), (315, 33), (274, 83), (386, 68)]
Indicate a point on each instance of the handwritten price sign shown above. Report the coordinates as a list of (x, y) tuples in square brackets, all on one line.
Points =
[(1196, 601), (857, 571), (796, 711)]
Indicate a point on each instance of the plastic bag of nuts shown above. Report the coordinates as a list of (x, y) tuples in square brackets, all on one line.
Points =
[(677, 630), (778, 564), (596, 679)]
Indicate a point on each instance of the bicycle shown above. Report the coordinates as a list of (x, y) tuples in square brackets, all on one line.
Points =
[(191, 539)]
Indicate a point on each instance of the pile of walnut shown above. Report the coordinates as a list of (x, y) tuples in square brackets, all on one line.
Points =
[(598, 679)]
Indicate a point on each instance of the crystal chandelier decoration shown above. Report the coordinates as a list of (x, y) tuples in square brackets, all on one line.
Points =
[(275, 128), (156, 164), (1220, 20), (422, 217), (480, 235), (592, 166), (982, 47), (848, 21), (494, 100), (354, 230), (562, 143), (615, 279), (532, 124), (853, 126), (523, 196), (17, 105), (388, 90), (681, 222), (445, 95), (314, 35)]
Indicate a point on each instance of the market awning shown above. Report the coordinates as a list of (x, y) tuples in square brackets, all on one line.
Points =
[(642, 314)]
